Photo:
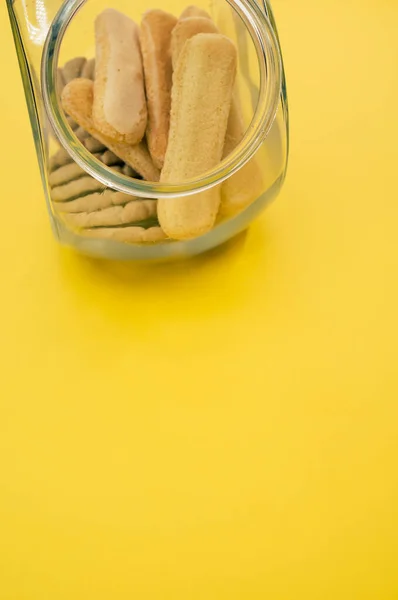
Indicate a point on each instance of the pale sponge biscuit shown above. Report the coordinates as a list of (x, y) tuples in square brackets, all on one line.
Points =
[(201, 100), (119, 109), (184, 30), (247, 184), (156, 28), (77, 101)]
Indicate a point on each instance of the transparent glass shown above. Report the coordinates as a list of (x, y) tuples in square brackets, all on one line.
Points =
[(97, 202)]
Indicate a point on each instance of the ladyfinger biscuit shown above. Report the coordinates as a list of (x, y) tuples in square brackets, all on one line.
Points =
[(242, 188), (184, 30), (235, 128), (201, 100), (246, 185), (194, 11), (138, 158), (156, 28), (77, 101), (119, 109)]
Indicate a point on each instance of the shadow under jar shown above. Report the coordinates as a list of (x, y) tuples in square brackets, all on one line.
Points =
[(162, 131)]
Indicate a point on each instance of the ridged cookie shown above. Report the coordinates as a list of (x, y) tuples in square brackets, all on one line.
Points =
[(99, 201), (140, 212)]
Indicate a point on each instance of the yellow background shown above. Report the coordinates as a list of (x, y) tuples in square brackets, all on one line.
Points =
[(224, 428)]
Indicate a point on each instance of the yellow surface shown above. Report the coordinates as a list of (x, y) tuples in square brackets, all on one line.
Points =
[(224, 428)]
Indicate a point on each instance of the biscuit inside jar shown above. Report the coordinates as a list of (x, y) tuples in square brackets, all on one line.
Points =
[(158, 102)]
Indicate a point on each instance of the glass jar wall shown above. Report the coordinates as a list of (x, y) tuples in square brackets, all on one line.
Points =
[(212, 152)]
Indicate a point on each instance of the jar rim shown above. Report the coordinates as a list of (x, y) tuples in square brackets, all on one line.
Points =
[(270, 68)]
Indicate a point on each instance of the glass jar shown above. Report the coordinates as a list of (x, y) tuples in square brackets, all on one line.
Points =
[(98, 202)]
